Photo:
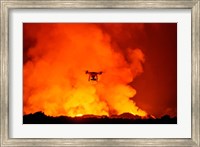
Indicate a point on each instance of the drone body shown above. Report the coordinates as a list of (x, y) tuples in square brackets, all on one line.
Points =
[(93, 75)]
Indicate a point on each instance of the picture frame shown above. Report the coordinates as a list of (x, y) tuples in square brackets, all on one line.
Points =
[(7, 5)]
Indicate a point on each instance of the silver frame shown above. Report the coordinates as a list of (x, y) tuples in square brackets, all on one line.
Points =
[(7, 5)]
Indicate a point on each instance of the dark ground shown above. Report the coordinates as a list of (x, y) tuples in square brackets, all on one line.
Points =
[(125, 118)]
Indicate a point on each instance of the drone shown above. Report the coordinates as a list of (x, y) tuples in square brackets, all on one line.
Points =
[(93, 75)]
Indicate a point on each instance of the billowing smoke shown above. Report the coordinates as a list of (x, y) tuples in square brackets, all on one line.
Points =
[(54, 78)]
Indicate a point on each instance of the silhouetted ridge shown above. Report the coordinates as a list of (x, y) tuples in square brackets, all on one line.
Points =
[(125, 118)]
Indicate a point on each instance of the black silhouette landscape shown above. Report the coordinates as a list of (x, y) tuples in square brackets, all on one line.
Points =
[(125, 118)]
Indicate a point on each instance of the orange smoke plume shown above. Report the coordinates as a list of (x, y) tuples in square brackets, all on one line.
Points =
[(54, 72)]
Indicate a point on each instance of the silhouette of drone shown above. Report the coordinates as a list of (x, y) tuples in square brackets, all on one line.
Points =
[(93, 75)]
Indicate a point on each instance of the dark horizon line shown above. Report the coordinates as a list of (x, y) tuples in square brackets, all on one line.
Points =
[(125, 118)]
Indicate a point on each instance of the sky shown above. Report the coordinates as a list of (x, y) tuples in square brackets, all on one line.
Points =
[(138, 60)]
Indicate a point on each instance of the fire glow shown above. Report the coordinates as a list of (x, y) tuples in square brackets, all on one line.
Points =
[(54, 75)]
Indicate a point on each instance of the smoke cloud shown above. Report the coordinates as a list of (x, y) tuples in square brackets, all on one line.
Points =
[(56, 57)]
